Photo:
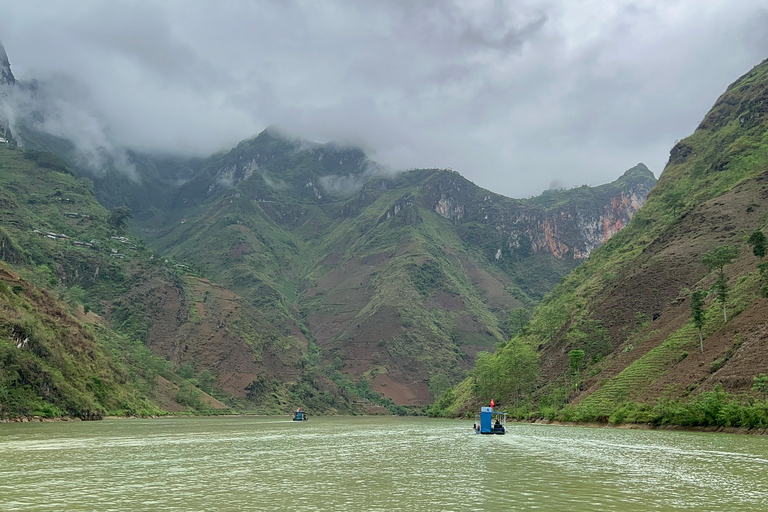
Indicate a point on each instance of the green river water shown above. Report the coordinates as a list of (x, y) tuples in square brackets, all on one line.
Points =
[(372, 463)]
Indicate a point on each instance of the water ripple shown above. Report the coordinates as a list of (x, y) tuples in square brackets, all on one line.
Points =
[(376, 464)]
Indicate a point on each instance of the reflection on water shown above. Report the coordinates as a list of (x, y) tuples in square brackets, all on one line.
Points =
[(372, 463)]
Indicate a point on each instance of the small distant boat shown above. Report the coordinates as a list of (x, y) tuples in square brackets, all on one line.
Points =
[(300, 415), (490, 422)]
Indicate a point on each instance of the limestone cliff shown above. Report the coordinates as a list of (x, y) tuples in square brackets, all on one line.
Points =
[(6, 76), (566, 228)]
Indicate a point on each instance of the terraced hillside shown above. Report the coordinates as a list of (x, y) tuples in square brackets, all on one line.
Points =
[(284, 272), (616, 341), (143, 316), (394, 281)]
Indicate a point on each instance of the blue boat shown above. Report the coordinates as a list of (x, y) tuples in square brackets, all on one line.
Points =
[(300, 415), (490, 422)]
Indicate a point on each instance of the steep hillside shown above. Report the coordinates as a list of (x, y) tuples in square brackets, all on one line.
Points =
[(616, 341), (55, 234), (335, 281), (285, 272), (393, 281), (52, 364)]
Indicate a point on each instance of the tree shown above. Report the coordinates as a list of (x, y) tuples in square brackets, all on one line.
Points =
[(576, 357), (763, 267), (518, 366), (758, 242), (507, 373), (517, 321), (717, 259), (674, 201), (760, 384), (485, 375), (721, 285), (118, 217), (697, 313), (438, 384)]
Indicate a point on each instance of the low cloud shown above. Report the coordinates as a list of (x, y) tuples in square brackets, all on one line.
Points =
[(58, 107), (513, 94), (351, 183)]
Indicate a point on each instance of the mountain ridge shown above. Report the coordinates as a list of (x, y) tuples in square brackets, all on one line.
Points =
[(615, 340), (283, 271)]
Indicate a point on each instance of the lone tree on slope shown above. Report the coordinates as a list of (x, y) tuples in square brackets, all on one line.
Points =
[(697, 313), (758, 242), (118, 216), (716, 259)]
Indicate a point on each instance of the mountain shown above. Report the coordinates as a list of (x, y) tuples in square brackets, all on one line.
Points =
[(616, 340), (55, 234), (285, 272), (390, 280), (6, 76)]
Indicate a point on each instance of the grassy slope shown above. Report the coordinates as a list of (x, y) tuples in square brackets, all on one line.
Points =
[(75, 367), (272, 238), (337, 271), (54, 365), (711, 193)]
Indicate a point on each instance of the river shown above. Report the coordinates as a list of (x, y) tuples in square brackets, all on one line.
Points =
[(372, 464)]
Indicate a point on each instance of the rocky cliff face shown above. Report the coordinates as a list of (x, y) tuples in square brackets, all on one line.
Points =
[(352, 274), (6, 76), (619, 329), (548, 224)]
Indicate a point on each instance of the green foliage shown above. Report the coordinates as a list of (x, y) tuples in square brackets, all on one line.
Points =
[(438, 384), (47, 160), (763, 268), (760, 384), (508, 374), (444, 401), (721, 286), (129, 319), (575, 358), (674, 201), (427, 277), (590, 336), (697, 313), (758, 242), (719, 257), (206, 380), (517, 321), (715, 408), (10, 251), (118, 217), (42, 373)]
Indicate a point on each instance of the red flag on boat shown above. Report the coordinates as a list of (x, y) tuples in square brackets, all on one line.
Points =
[(492, 402)]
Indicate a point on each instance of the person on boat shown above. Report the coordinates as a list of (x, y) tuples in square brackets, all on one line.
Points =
[(497, 425)]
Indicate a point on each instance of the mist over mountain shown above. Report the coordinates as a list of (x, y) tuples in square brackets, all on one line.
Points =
[(511, 95), (283, 270), (667, 322)]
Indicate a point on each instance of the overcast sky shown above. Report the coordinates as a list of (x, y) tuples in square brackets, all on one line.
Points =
[(515, 95)]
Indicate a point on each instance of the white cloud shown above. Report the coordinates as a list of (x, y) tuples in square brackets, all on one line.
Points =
[(513, 95)]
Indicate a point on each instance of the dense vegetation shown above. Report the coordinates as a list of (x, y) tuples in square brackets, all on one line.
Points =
[(664, 323)]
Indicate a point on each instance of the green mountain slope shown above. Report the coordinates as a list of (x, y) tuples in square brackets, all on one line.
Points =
[(52, 364), (391, 282), (55, 235), (615, 340), (284, 272)]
